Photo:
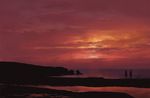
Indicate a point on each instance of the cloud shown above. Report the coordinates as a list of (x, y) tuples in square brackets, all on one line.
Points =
[(46, 31)]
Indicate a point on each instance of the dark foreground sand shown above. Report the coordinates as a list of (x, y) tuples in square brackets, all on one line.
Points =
[(14, 91), (90, 82)]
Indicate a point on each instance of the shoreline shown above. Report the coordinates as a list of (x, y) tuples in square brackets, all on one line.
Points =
[(11, 91), (89, 82)]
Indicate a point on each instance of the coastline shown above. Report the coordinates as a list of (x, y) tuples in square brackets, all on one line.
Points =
[(14, 91), (89, 82)]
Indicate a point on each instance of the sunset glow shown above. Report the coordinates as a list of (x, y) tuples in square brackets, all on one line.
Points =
[(73, 33)]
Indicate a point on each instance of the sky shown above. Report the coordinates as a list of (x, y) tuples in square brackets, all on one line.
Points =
[(76, 33)]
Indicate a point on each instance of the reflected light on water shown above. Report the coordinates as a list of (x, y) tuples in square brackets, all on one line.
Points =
[(135, 92)]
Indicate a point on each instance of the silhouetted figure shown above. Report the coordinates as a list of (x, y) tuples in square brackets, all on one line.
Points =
[(126, 74), (130, 74)]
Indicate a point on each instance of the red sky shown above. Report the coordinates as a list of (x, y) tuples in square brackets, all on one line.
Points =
[(76, 33)]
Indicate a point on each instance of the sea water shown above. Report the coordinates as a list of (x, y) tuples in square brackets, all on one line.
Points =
[(116, 73)]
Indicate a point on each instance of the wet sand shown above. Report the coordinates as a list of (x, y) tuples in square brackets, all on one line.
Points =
[(133, 91), (14, 91)]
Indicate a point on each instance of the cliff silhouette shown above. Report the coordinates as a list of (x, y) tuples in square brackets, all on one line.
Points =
[(14, 70)]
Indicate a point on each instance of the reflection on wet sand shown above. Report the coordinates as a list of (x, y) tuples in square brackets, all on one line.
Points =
[(135, 92), (22, 91)]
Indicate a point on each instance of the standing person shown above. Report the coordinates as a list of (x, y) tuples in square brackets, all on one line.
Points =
[(126, 74), (130, 74)]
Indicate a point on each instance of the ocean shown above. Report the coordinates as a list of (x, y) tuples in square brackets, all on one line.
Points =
[(116, 73)]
